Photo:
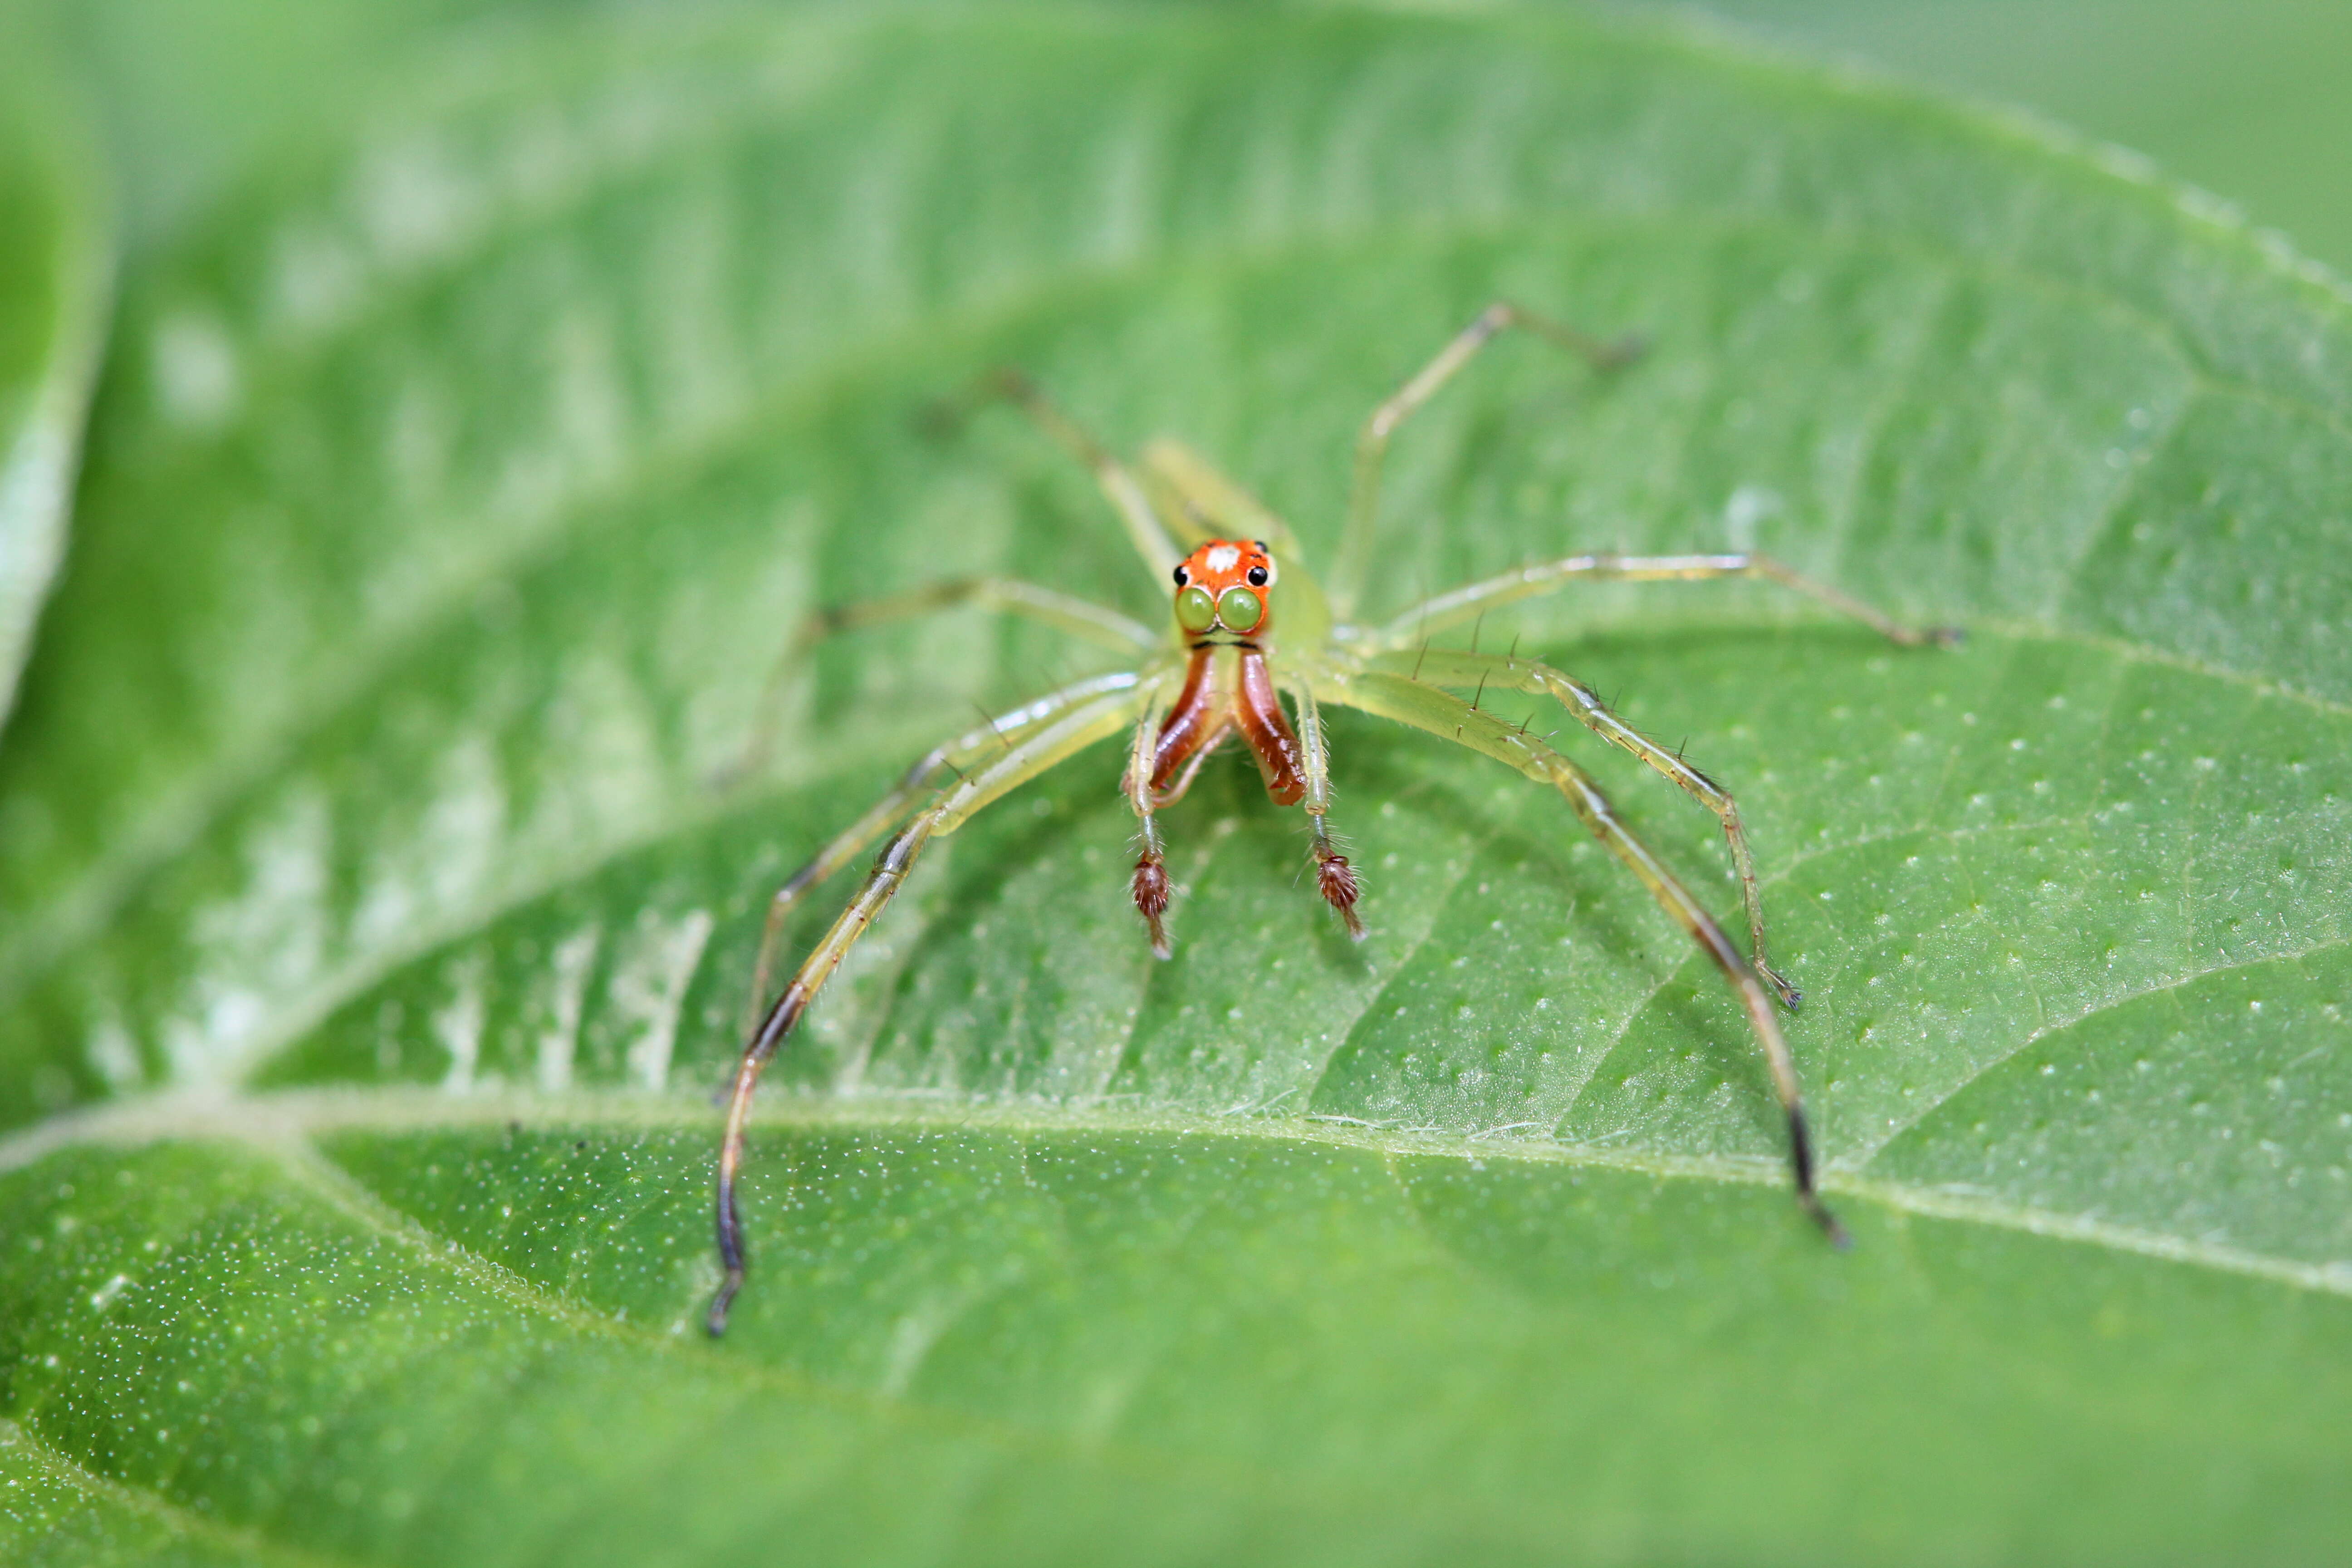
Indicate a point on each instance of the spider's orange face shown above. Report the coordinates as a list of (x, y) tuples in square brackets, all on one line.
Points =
[(1221, 586)]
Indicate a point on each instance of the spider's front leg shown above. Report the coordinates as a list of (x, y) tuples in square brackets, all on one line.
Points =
[(958, 756), (1443, 714), (1019, 760), (1446, 667)]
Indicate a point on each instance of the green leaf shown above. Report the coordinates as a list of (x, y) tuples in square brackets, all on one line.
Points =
[(374, 941), (54, 273)]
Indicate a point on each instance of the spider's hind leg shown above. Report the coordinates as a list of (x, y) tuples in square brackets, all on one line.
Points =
[(1145, 530), (1355, 557), (1009, 596)]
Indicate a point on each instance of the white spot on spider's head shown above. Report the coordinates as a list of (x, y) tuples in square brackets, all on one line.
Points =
[(1221, 558)]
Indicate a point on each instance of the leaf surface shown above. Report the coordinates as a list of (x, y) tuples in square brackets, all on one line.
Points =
[(54, 275), (372, 937)]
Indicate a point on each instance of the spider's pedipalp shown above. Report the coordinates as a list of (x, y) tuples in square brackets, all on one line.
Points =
[(1151, 892), (1150, 886), (1334, 878)]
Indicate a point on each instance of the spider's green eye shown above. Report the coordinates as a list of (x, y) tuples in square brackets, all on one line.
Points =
[(1195, 610), (1240, 609)]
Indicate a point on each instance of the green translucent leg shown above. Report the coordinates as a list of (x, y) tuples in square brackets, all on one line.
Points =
[(1080, 617), (1478, 598), (1373, 442), (1334, 878), (1045, 744), (1440, 713), (960, 756), (1144, 529), (1495, 672)]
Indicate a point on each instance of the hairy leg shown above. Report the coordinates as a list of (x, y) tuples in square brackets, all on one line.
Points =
[(1443, 714), (1046, 744), (1496, 672), (1080, 617), (1476, 599), (1354, 559), (1145, 530), (961, 756)]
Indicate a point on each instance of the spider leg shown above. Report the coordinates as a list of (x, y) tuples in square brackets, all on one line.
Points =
[(1145, 530), (1080, 617), (1171, 743), (1046, 743), (1478, 598), (1202, 503), (1442, 666), (1150, 886), (961, 756), (1334, 878), (1440, 713), (1373, 442)]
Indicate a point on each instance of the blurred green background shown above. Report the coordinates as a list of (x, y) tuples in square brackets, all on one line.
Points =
[(2244, 97)]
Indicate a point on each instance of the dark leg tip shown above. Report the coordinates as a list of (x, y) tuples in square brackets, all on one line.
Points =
[(1819, 1212), (714, 1322), (942, 419), (1947, 636), (724, 778), (1790, 997), (1622, 352)]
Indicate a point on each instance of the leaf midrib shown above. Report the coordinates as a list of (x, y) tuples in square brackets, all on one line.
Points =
[(319, 1177), (274, 1121)]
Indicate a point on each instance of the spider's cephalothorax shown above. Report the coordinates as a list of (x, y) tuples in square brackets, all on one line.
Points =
[(1225, 675), (1223, 592), (1224, 612)]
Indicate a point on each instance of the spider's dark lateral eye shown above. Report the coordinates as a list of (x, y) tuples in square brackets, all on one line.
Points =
[(1183, 576), (1258, 576)]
